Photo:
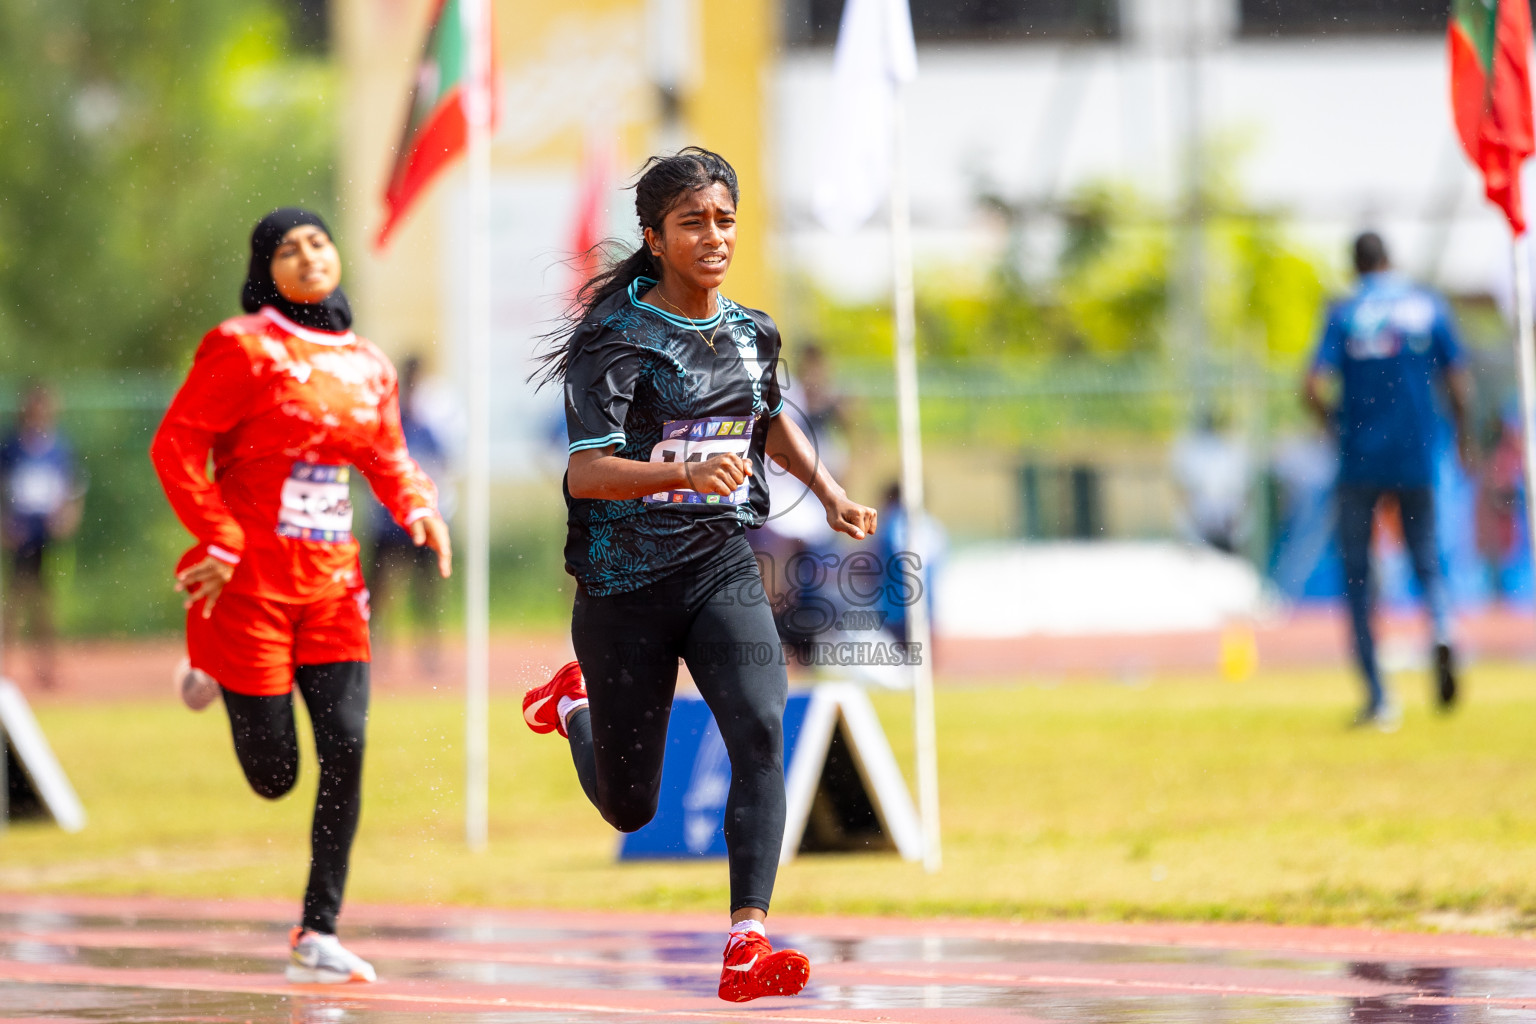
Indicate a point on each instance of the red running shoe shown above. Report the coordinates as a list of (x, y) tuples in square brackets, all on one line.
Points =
[(541, 705), (752, 969)]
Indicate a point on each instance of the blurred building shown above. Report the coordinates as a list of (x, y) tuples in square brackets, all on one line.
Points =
[(1334, 111)]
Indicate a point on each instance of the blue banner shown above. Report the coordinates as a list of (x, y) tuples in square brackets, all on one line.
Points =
[(695, 781)]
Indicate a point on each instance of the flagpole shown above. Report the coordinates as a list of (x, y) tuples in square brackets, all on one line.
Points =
[(477, 455), (1525, 357), (919, 630)]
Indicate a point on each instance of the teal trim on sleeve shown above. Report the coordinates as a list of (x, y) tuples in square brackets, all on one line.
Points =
[(616, 438), (777, 409)]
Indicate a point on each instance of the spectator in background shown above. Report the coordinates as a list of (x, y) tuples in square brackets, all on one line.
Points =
[(397, 561), (1501, 508), (824, 412), (1211, 469), (42, 495), (797, 526), (1306, 560), (1387, 346), (915, 557)]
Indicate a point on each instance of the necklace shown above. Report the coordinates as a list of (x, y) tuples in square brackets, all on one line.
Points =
[(710, 341)]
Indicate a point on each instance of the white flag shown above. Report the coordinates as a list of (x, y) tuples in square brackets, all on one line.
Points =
[(875, 53)]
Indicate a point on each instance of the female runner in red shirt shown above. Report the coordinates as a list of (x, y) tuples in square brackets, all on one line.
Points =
[(288, 399)]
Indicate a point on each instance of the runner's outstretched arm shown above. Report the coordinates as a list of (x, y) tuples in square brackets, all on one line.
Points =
[(209, 402), (790, 448)]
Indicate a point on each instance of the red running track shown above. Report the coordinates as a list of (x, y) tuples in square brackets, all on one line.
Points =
[(99, 959), (1302, 638)]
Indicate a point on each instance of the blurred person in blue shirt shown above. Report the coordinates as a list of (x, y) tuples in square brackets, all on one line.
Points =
[(396, 559), (42, 499), (913, 558), (1383, 352)]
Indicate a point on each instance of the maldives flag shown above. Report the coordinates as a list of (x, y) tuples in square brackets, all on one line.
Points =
[(454, 88), (1490, 44)]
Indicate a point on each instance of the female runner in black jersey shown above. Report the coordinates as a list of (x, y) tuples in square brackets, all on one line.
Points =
[(672, 404)]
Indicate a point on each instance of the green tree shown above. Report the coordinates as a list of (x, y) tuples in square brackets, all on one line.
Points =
[(138, 144), (1108, 301)]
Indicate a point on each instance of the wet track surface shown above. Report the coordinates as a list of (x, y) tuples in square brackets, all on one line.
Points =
[(146, 960)]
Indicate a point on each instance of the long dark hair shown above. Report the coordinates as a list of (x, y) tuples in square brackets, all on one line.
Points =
[(665, 181)]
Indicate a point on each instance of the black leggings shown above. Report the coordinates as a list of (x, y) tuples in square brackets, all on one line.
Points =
[(628, 645), (267, 744)]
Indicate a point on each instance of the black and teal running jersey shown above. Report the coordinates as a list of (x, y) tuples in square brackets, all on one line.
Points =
[(646, 381)]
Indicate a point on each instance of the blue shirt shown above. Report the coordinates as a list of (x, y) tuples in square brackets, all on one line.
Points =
[(38, 476), (1388, 342)]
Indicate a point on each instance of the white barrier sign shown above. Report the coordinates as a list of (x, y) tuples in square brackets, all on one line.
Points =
[(30, 747)]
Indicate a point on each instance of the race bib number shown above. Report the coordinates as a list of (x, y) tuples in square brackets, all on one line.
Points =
[(317, 503), (697, 441)]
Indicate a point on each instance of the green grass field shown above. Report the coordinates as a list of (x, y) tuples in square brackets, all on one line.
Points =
[(1183, 799)]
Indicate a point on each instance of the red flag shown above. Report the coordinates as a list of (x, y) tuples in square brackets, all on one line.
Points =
[(454, 75), (591, 213), (1490, 43)]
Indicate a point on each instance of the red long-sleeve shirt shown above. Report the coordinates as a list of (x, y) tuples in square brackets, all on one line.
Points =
[(286, 411)]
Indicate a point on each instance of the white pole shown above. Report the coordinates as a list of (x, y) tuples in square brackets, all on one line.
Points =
[(919, 631), (1525, 356), (477, 505)]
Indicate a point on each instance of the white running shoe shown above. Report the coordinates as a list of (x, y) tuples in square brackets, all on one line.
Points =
[(196, 688), (316, 959)]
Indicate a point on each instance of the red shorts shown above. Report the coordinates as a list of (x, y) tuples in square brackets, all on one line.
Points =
[(252, 645)]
